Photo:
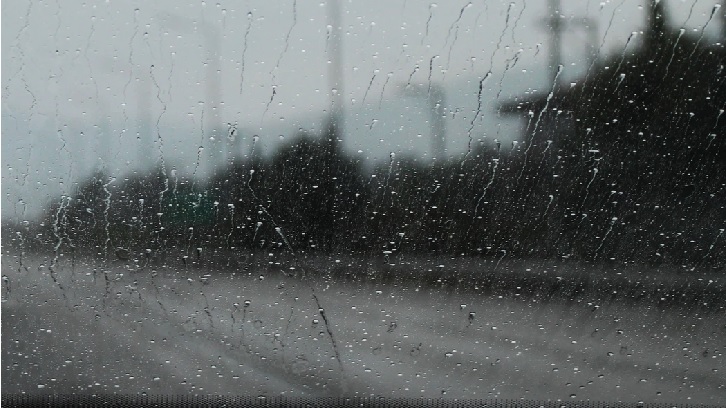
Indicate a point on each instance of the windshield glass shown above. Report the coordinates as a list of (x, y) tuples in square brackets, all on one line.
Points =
[(519, 200)]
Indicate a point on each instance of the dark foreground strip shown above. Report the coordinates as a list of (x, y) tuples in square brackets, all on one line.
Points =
[(162, 401)]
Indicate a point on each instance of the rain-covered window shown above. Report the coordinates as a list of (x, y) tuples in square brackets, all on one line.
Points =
[(454, 200)]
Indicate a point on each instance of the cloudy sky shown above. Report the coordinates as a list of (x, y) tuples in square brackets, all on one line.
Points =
[(128, 84)]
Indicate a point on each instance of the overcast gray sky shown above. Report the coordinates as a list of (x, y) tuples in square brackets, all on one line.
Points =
[(81, 80)]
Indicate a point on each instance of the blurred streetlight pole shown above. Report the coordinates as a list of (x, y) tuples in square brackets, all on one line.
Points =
[(145, 145), (436, 97), (557, 26), (334, 131), (335, 71), (212, 103)]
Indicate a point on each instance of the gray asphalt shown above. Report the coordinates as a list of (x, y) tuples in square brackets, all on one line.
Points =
[(172, 332)]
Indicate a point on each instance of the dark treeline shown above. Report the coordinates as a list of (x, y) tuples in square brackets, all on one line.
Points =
[(629, 165), (496, 202)]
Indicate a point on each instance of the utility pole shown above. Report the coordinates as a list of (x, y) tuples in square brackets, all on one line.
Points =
[(104, 139), (556, 26), (235, 142), (213, 110), (590, 25), (212, 106), (143, 94), (335, 120), (655, 29), (438, 125), (436, 97), (335, 69)]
